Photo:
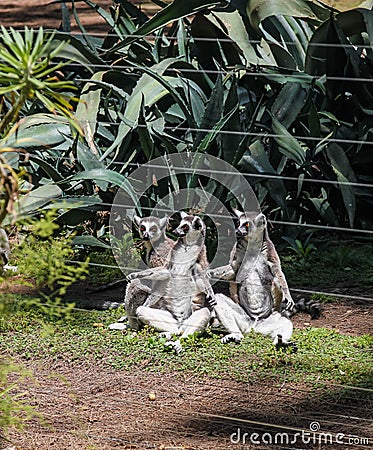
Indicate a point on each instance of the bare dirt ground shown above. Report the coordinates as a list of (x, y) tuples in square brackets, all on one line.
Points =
[(91, 407), (35, 13)]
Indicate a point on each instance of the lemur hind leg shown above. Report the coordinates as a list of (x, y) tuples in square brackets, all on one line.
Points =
[(279, 328), (197, 322), (158, 319), (233, 318)]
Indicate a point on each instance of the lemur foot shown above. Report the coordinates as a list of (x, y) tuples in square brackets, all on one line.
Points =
[(288, 346), (8, 268), (233, 337), (174, 345), (120, 325), (166, 334)]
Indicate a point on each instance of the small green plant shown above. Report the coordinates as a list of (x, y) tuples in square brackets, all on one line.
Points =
[(303, 250), (45, 258), (341, 257), (13, 411)]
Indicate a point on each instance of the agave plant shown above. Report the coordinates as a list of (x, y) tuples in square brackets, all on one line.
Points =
[(28, 73)]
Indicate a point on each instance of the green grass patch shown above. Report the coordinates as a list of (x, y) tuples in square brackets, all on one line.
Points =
[(84, 336)]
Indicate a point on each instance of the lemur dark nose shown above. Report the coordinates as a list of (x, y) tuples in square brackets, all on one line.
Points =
[(179, 232), (145, 236), (240, 233)]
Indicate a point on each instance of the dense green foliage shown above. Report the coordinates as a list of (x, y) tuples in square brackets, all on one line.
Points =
[(285, 98)]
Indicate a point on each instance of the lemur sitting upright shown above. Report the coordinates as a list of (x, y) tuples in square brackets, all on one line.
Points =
[(262, 297), (182, 297), (152, 232)]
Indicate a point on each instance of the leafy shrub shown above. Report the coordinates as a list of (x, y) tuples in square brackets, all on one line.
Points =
[(45, 258)]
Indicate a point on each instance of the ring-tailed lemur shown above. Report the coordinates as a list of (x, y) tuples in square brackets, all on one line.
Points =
[(152, 232), (282, 299), (182, 297), (262, 297)]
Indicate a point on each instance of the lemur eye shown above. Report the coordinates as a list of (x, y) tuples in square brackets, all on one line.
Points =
[(185, 228), (142, 228), (247, 225), (153, 229)]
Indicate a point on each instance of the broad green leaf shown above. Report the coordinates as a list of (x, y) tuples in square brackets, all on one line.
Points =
[(258, 10), (234, 145), (37, 198), (151, 87), (211, 136), (89, 158), (49, 169), (174, 11), (74, 202), (40, 131), (77, 51), (215, 48), (146, 141), (288, 145), (324, 209), (283, 31), (256, 160), (237, 31), (350, 22), (89, 241), (108, 176), (342, 168), (88, 107), (213, 112), (289, 103)]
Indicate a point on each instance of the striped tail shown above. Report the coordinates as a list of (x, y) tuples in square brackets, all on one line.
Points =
[(309, 306)]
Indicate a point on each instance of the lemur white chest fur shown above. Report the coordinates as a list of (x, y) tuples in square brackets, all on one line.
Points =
[(181, 287), (250, 261)]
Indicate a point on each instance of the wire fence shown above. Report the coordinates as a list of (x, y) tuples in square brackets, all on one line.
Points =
[(354, 417)]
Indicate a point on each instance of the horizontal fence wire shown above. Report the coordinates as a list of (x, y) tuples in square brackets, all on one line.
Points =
[(249, 72), (323, 140), (132, 269), (123, 36), (262, 175), (317, 227)]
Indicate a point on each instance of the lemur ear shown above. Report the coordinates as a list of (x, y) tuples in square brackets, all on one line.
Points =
[(183, 214), (163, 222), (237, 212), (197, 223), (260, 219), (137, 220)]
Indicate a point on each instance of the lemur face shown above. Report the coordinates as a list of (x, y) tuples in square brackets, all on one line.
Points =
[(248, 224), (190, 225), (151, 228)]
